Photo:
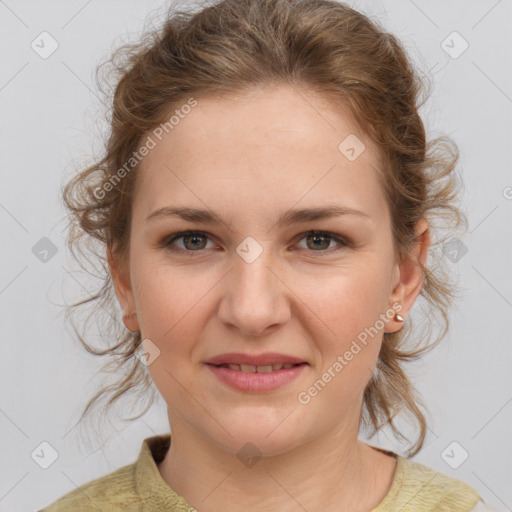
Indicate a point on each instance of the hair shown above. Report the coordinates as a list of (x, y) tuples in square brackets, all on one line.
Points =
[(232, 47)]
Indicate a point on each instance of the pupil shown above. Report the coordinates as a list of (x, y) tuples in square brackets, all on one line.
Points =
[(195, 238), (317, 237)]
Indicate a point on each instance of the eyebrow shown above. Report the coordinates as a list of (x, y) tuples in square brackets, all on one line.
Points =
[(292, 216)]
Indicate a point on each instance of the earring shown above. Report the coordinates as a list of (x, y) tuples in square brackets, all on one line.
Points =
[(398, 318)]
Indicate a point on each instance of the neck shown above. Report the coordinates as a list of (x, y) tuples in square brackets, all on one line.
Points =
[(333, 473)]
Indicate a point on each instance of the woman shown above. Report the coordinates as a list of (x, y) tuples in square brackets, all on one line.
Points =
[(266, 203)]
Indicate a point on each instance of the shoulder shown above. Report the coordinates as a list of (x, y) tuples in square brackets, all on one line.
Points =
[(110, 493), (481, 506), (421, 487), (125, 489)]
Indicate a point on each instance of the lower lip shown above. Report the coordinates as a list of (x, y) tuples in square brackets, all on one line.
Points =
[(256, 382)]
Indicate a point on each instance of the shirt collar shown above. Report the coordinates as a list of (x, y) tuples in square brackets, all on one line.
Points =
[(153, 490)]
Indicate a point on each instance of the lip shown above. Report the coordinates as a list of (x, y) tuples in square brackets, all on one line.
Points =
[(254, 382), (254, 359)]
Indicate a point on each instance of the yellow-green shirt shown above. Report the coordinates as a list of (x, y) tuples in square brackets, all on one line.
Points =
[(140, 487)]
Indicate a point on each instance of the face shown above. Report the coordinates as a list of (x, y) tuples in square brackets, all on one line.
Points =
[(250, 284)]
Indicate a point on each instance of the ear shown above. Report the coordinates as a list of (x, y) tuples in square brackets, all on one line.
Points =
[(409, 281), (122, 284)]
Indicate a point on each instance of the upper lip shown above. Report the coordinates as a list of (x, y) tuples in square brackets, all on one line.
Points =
[(255, 359)]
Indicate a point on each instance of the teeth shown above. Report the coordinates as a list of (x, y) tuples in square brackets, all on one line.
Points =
[(250, 368)]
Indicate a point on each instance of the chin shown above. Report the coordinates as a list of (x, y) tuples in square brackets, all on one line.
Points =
[(268, 436), (259, 445)]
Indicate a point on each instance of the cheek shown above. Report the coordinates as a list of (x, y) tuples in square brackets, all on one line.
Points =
[(167, 297), (344, 302), (171, 318), (344, 310), (173, 310)]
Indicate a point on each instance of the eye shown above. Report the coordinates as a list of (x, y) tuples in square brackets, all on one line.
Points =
[(320, 240), (196, 241), (191, 241)]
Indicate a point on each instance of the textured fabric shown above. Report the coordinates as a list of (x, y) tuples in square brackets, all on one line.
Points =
[(419, 488), (140, 487)]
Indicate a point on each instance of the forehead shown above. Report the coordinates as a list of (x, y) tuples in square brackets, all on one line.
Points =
[(267, 150)]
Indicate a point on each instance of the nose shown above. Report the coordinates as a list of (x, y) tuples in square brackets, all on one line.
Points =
[(255, 299)]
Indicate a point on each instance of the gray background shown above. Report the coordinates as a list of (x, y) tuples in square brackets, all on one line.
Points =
[(50, 118)]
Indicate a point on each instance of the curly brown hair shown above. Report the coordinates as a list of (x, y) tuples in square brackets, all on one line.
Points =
[(229, 47)]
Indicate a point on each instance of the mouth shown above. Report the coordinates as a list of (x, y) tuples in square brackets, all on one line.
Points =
[(257, 378), (250, 368)]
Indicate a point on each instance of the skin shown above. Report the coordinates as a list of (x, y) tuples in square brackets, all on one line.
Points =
[(249, 158)]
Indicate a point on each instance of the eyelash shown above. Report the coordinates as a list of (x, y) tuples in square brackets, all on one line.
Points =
[(168, 240)]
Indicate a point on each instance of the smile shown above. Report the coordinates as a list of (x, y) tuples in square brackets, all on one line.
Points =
[(256, 379), (250, 368)]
